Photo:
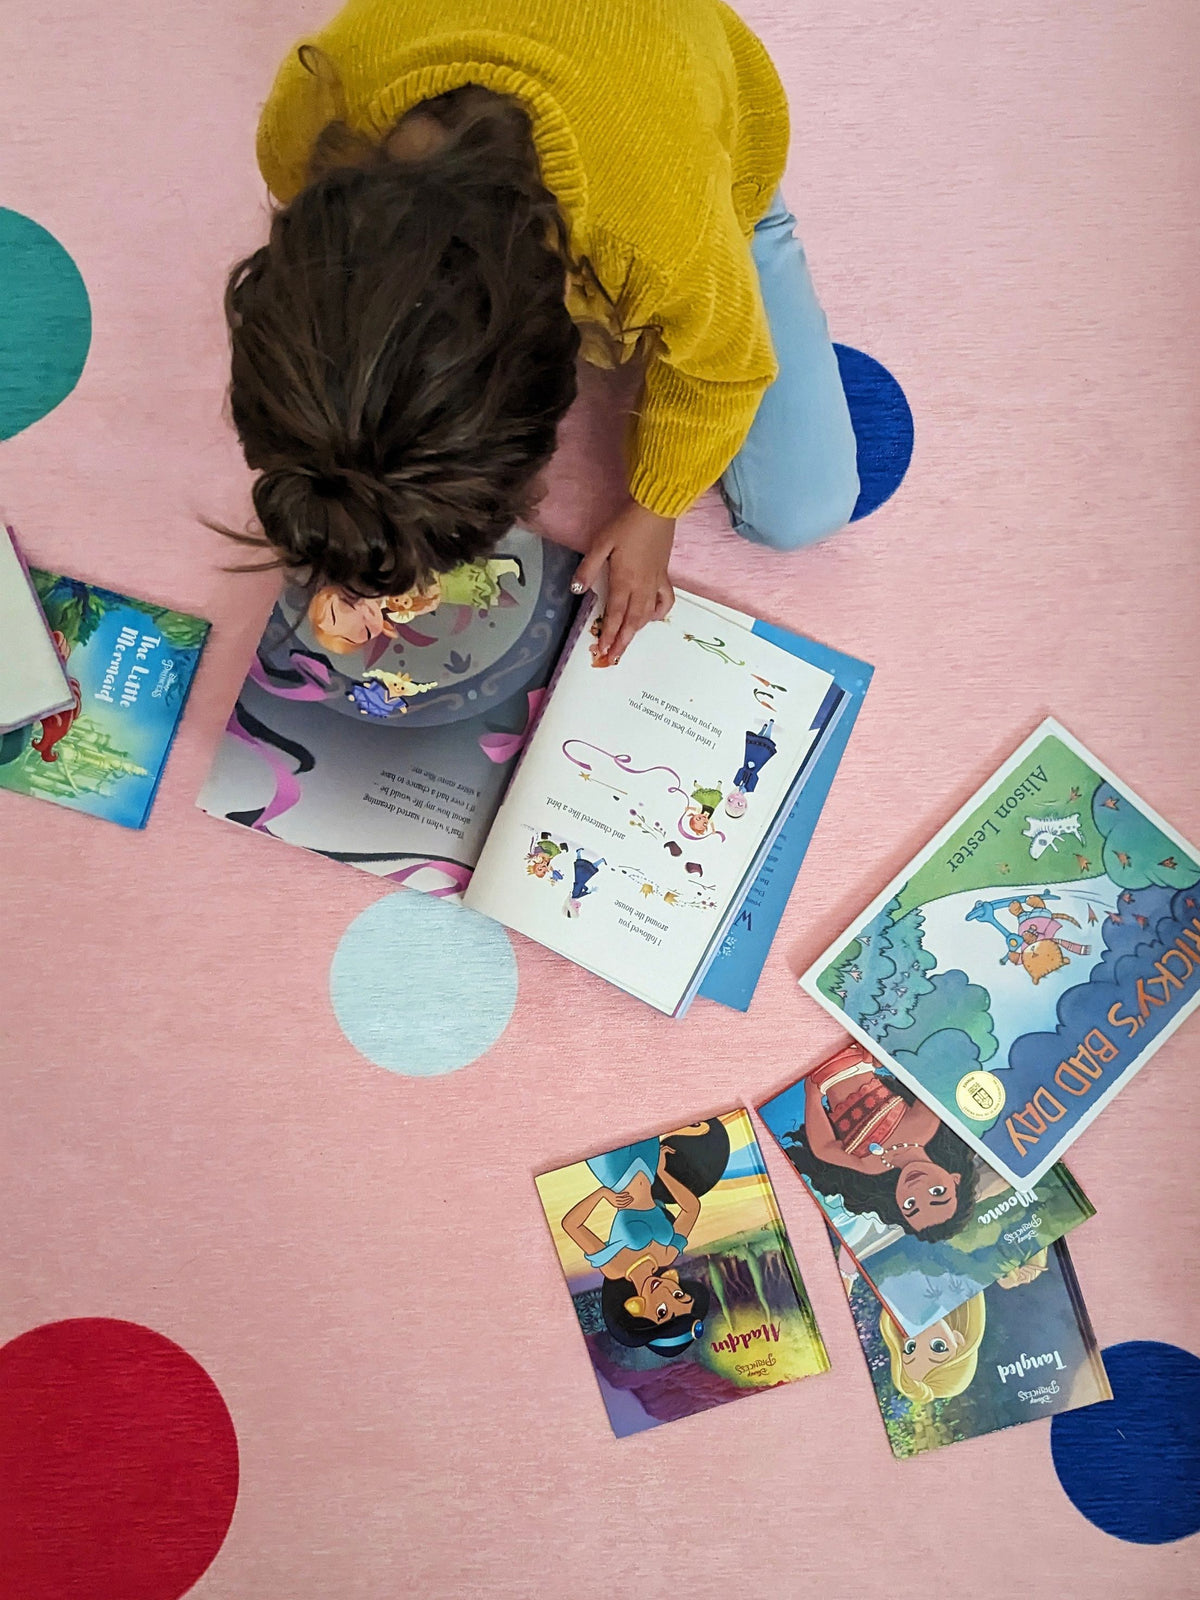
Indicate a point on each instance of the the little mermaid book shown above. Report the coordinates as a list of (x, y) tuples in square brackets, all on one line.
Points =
[(681, 1273), (1030, 959), (1022, 1349), (129, 668)]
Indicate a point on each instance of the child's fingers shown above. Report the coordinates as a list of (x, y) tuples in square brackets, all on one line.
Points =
[(664, 601), (614, 617), (589, 569), (637, 614)]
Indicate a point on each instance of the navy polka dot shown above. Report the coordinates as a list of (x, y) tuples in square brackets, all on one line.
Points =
[(883, 427), (1131, 1464)]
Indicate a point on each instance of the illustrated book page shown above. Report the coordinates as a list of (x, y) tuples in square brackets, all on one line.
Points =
[(680, 1272), (1022, 1349), (928, 1223), (648, 798), (382, 733), (1030, 959)]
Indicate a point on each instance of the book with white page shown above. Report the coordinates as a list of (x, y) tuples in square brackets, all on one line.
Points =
[(649, 795)]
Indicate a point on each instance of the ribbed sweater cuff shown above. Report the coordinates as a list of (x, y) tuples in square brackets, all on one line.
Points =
[(686, 434)]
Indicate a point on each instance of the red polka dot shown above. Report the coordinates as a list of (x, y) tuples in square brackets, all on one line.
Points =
[(119, 1463)]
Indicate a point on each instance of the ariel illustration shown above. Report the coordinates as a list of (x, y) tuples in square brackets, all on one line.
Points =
[(56, 727), (343, 623), (760, 747), (1036, 944), (386, 694), (867, 1138), (586, 869), (644, 1301), (540, 860)]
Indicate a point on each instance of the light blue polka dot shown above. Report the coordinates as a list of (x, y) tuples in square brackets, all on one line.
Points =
[(45, 323), (422, 987)]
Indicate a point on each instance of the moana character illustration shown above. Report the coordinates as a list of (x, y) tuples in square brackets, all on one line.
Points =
[(1036, 945), (760, 747), (867, 1138), (343, 623), (654, 1187)]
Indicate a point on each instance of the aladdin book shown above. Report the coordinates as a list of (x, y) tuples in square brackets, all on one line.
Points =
[(1021, 1349), (1030, 959), (681, 1273), (129, 668), (461, 739), (925, 1220)]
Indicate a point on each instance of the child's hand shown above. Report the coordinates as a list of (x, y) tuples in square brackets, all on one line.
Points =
[(637, 546)]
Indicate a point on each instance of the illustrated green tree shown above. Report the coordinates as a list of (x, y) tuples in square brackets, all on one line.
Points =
[(1136, 853), (863, 972), (70, 606)]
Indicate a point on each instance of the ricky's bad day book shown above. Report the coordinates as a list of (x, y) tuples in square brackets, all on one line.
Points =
[(1031, 958), (928, 1223), (1020, 1350), (462, 740), (129, 667), (681, 1273)]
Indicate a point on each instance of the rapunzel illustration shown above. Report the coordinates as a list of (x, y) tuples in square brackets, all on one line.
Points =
[(939, 1362), (344, 623), (868, 1139), (654, 1187)]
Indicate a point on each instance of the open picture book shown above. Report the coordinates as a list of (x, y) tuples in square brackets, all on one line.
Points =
[(461, 740)]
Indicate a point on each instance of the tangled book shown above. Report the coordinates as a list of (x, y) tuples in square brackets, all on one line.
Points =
[(680, 1273), (926, 1221), (461, 739), (1021, 1349), (1031, 958)]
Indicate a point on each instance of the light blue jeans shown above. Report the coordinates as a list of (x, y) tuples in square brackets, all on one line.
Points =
[(795, 479)]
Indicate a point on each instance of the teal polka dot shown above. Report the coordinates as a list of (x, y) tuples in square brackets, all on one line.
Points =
[(45, 323), (422, 987)]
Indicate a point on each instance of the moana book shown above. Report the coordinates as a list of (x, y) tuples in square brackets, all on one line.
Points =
[(129, 668), (462, 739), (681, 1273), (925, 1220), (1021, 1349), (1031, 958)]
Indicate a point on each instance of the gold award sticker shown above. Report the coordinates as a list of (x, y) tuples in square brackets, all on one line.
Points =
[(980, 1095)]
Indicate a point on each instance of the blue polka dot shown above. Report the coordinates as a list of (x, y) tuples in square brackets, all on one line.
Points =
[(883, 427), (1131, 1464), (45, 323), (422, 987)]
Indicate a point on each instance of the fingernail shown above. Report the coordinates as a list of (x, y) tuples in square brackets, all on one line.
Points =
[(576, 586)]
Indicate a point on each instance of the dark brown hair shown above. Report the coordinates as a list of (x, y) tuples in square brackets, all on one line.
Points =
[(402, 352)]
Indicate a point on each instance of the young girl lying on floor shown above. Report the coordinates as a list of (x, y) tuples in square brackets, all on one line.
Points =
[(474, 192)]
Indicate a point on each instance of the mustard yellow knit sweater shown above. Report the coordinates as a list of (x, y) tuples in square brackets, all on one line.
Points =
[(661, 128)]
